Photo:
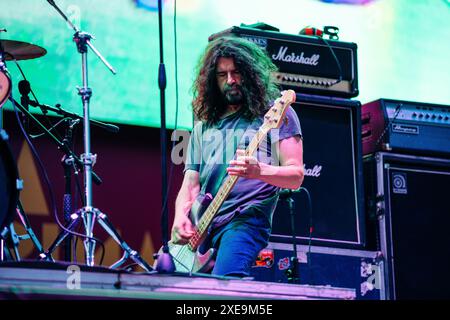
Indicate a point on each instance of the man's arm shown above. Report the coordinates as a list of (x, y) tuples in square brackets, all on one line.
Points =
[(182, 228), (288, 175)]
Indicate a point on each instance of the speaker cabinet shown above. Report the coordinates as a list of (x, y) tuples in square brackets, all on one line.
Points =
[(410, 197), (333, 176)]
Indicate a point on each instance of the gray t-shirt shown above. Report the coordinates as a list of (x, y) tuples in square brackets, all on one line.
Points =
[(212, 147)]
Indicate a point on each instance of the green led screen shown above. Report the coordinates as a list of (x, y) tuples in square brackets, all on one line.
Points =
[(403, 48)]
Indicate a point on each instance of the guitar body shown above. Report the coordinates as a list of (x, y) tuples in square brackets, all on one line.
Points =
[(187, 259), (190, 261)]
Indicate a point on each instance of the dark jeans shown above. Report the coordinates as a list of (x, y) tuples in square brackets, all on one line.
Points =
[(238, 244)]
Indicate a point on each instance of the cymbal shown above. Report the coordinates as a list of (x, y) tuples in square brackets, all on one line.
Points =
[(21, 50)]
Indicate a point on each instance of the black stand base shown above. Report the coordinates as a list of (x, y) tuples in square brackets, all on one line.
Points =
[(109, 228), (292, 271), (12, 239), (164, 261)]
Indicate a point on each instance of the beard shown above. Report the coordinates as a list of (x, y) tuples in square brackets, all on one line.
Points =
[(233, 95)]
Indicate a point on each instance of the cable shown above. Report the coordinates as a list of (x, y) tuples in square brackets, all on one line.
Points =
[(335, 59), (34, 136), (308, 195), (23, 76), (75, 244), (128, 267), (386, 127), (35, 98)]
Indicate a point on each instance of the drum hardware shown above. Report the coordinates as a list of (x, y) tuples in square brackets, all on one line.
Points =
[(9, 193), (70, 118), (15, 50), (5, 81), (88, 213), (25, 89), (13, 239), (5, 87), (19, 50), (73, 160), (10, 185)]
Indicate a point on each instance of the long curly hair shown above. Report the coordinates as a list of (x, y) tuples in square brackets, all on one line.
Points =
[(255, 67)]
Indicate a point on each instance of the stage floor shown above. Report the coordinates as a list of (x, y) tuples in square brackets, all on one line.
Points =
[(44, 280)]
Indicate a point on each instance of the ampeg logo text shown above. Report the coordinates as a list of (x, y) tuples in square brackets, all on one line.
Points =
[(402, 128), (294, 58), (399, 184)]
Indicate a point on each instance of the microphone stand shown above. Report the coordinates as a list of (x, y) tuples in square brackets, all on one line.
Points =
[(62, 146), (68, 163), (89, 214), (292, 271), (57, 109), (164, 261)]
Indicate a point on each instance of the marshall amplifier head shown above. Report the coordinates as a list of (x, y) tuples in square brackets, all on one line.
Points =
[(306, 64)]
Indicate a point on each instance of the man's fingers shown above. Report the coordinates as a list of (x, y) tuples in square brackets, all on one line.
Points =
[(182, 236), (237, 162), (243, 161), (186, 233), (237, 170), (247, 159)]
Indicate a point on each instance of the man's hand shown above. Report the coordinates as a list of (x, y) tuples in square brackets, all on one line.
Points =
[(244, 166), (182, 229), (289, 174)]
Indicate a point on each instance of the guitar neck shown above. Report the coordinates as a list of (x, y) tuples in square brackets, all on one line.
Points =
[(224, 191)]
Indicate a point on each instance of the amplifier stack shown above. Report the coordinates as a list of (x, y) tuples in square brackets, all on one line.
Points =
[(406, 147), (377, 176)]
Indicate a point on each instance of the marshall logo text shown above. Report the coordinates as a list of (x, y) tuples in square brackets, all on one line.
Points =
[(294, 58), (313, 172)]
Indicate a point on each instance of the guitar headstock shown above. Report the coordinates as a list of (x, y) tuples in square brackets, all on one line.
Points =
[(274, 117)]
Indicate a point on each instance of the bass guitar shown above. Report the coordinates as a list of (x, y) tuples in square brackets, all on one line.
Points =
[(187, 257)]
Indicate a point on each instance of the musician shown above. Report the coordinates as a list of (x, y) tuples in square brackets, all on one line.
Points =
[(232, 92)]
